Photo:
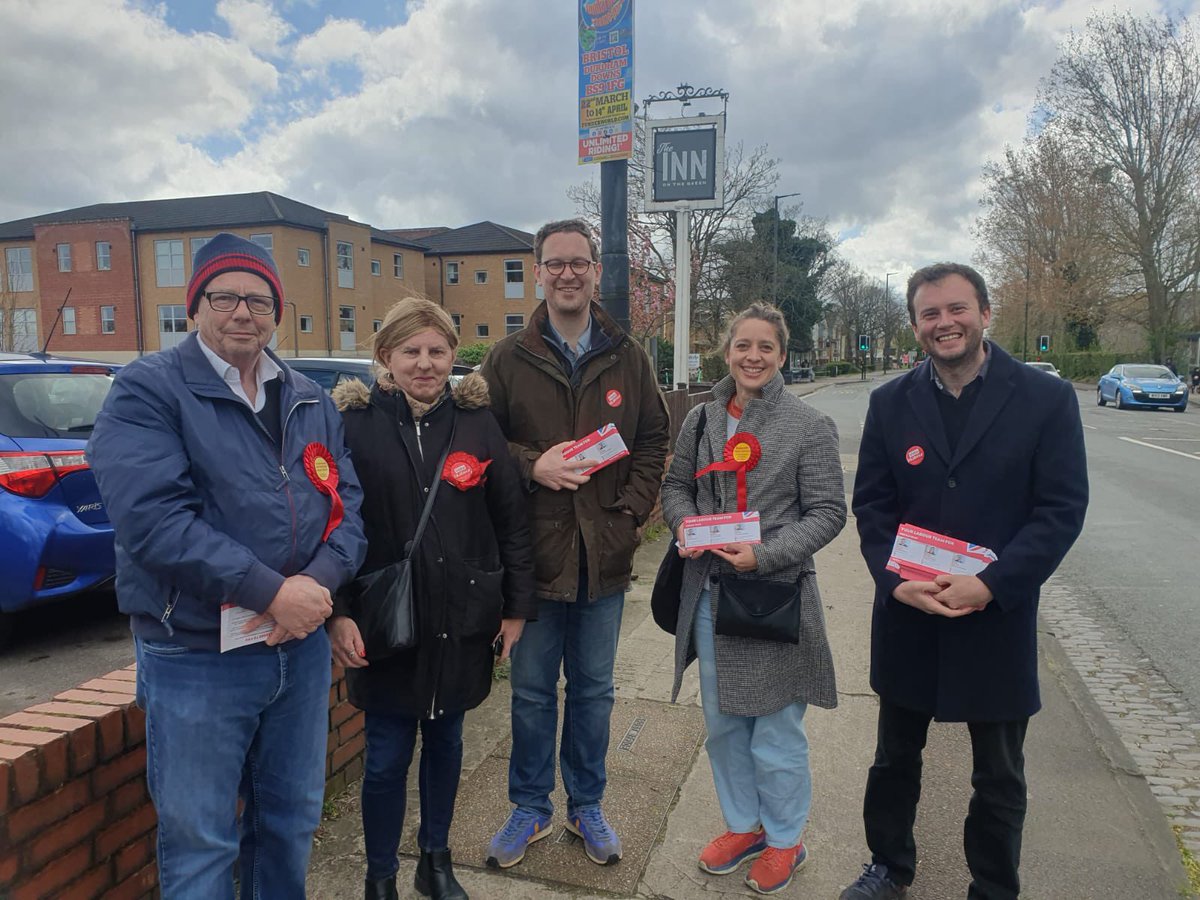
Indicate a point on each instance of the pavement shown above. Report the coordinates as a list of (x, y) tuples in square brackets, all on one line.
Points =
[(1094, 828)]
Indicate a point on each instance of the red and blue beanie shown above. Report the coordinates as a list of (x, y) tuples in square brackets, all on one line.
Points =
[(230, 253)]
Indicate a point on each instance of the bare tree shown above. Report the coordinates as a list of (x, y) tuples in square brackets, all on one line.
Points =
[(1126, 92)]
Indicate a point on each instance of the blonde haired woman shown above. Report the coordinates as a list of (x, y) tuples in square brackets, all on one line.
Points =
[(755, 691), (472, 579)]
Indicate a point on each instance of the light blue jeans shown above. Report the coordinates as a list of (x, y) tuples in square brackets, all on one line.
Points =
[(252, 723), (759, 763), (579, 639)]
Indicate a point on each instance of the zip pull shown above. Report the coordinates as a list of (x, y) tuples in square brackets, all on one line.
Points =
[(283, 471)]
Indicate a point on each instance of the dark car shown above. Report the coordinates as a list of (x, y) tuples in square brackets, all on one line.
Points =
[(55, 537), (1132, 385), (330, 371)]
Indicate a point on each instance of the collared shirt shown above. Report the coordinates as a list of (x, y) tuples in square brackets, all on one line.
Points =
[(264, 371), (582, 346), (937, 380)]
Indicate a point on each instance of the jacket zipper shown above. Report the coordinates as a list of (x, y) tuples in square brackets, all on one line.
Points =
[(167, 613)]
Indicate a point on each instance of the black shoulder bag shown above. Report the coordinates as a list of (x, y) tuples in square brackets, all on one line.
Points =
[(382, 603), (668, 583)]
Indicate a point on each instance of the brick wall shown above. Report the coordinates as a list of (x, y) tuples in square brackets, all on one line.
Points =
[(75, 816)]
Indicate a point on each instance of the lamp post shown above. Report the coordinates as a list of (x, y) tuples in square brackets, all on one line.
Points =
[(295, 330), (775, 263), (887, 298)]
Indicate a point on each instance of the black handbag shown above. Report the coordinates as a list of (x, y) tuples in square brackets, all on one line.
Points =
[(381, 601), (668, 583), (759, 609)]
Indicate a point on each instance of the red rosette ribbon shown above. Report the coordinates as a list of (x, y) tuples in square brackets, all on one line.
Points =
[(321, 469), (742, 453), (463, 470)]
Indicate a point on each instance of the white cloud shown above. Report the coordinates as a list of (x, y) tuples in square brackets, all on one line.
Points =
[(255, 24)]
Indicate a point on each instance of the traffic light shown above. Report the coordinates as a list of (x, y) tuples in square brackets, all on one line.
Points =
[(864, 343), (1044, 344)]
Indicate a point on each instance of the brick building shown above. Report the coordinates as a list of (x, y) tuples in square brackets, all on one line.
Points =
[(108, 281)]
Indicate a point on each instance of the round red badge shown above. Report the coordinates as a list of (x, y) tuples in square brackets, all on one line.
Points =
[(915, 455), (464, 471), (613, 397)]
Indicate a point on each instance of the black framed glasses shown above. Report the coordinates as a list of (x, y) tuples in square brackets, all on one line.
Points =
[(558, 266), (227, 301)]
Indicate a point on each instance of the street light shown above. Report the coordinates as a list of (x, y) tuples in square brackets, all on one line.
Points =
[(295, 330), (775, 265)]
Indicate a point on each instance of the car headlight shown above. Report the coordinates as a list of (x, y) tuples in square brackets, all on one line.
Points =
[(1180, 389)]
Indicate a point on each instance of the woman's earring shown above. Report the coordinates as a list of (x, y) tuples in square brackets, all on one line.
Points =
[(390, 377)]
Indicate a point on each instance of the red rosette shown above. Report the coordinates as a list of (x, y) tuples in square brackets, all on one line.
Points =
[(463, 470), (742, 453), (321, 469)]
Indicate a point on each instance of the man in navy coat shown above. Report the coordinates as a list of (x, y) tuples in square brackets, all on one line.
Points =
[(977, 446)]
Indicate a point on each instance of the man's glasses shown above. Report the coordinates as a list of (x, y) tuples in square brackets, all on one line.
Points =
[(226, 301), (558, 266)]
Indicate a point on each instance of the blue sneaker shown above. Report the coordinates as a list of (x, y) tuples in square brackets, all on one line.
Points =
[(600, 842), (524, 826)]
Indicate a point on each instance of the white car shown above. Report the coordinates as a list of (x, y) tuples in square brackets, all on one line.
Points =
[(1046, 367)]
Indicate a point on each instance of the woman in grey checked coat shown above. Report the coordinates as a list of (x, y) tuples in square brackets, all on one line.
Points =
[(755, 692)]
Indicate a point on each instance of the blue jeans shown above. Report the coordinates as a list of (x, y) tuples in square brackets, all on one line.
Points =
[(390, 743), (759, 763), (579, 638), (249, 723)]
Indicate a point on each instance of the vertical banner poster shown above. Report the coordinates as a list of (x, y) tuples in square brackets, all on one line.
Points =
[(605, 80)]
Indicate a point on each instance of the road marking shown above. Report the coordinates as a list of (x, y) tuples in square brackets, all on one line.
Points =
[(1163, 449), (1093, 427)]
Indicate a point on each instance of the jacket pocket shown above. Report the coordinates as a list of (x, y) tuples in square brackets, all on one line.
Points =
[(476, 601)]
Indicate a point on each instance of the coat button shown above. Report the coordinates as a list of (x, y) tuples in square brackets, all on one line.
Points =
[(713, 579), (439, 559), (952, 482), (427, 490), (472, 581)]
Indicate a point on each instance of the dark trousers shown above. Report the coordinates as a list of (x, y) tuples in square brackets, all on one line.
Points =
[(992, 832), (390, 743)]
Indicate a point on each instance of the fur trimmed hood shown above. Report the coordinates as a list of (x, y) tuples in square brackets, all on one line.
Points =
[(470, 393)]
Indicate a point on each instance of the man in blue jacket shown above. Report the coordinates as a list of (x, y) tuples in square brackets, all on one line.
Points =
[(219, 467), (977, 446)]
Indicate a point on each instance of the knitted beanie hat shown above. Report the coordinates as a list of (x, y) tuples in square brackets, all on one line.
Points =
[(230, 253)]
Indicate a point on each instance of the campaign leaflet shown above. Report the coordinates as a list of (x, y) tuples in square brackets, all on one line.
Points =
[(720, 530), (603, 446), (921, 555), (233, 620)]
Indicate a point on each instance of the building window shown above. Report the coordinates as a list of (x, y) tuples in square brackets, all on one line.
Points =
[(22, 336), (451, 273), (376, 324), (306, 324), (538, 292), (376, 268), (302, 257), (108, 315), (456, 318), (266, 241), (346, 327), (481, 329), (345, 264), (513, 323), (514, 279), (68, 320), (398, 265), (63, 251), (103, 256), (172, 325), (168, 263), (481, 276), (196, 244), (19, 262)]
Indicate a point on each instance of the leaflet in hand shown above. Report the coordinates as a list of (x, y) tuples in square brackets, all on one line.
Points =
[(603, 446), (233, 620), (720, 530), (922, 555)]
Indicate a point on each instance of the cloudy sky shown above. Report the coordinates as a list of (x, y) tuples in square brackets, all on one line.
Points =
[(404, 114)]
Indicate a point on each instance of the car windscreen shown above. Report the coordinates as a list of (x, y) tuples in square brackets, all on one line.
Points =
[(1148, 372), (51, 404)]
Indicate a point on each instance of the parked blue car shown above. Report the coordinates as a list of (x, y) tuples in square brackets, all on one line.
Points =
[(55, 537), (1131, 385)]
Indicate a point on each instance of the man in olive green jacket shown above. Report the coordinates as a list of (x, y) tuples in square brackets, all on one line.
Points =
[(569, 372)]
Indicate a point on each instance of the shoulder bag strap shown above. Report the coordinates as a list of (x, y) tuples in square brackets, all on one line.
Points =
[(437, 480)]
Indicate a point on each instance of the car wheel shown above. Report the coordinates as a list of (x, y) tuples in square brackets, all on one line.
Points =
[(1100, 401), (1117, 399)]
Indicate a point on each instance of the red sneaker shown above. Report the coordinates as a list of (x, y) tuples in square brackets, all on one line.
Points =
[(773, 870), (730, 850)]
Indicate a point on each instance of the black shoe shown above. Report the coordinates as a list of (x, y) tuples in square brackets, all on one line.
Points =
[(874, 884), (382, 889), (435, 877)]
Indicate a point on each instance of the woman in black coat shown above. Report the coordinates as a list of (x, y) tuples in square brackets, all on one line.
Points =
[(472, 579)]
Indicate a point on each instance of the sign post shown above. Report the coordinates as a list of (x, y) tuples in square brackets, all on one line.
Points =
[(685, 171)]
